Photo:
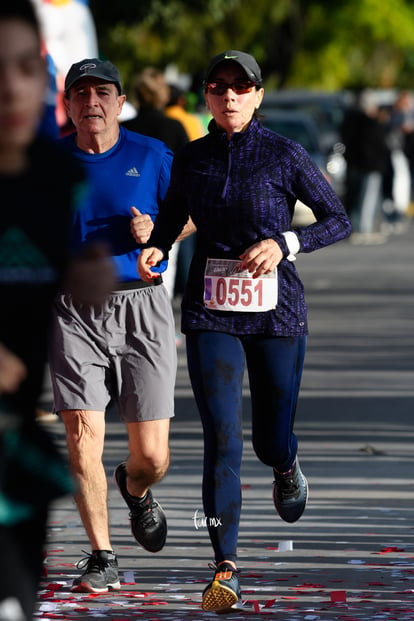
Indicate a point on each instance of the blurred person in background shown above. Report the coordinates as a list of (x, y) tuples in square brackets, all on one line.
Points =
[(69, 33), (402, 122), (366, 153), (177, 109), (398, 120), (152, 93), (244, 301)]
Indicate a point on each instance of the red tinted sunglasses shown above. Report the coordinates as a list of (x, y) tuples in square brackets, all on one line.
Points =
[(240, 87)]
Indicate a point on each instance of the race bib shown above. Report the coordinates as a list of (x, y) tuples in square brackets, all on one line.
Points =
[(229, 287)]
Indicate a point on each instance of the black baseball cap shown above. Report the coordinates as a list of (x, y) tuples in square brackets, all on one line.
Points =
[(246, 61), (95, 68)]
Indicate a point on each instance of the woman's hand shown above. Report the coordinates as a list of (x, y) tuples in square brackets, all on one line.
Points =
[(141, 226), (262, 258), (146, 260)]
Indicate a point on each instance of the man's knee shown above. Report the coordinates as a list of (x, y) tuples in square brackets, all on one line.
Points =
[(148, 466), (155, 464), (148, 448), (85, 433)]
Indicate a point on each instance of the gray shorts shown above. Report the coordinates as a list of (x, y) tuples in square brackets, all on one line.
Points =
[(124, 350)]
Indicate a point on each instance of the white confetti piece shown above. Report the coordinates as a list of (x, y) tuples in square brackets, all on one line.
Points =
[(129, 577)]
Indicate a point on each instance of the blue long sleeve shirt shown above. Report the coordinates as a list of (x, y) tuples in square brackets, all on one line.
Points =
[(238, 193)]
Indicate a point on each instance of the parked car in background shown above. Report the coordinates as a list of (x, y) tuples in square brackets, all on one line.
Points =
[(326, 109), (302, 129), (298, 127)]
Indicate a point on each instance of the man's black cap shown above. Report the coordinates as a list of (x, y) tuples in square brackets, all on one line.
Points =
[(95, 68)]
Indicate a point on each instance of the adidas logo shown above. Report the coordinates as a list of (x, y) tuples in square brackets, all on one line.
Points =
[(132, 172)]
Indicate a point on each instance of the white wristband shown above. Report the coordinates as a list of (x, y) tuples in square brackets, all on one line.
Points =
[(292, 243)]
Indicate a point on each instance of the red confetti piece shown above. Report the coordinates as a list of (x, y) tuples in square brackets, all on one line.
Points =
[(338, 596), (309, 585), (63, 565), (389, 550), (53, 586), (47, 595), (254, 603)]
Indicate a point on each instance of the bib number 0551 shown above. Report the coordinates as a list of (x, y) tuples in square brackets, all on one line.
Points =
[(237, 291)]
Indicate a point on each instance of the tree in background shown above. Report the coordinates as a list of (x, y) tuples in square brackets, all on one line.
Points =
[(352, 43), (306, 43)]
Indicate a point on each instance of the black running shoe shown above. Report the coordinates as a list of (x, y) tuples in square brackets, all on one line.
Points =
[(100, 575), (290, 493), (223, 593), (148, 521)]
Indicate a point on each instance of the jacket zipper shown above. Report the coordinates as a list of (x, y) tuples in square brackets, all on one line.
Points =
[(229, 163)]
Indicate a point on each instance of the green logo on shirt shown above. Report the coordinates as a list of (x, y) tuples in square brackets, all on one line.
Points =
[(21, 260)]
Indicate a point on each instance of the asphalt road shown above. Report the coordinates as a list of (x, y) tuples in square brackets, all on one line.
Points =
[(351, 556)]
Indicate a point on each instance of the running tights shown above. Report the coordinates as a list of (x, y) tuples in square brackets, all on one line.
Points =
[(216, 363)]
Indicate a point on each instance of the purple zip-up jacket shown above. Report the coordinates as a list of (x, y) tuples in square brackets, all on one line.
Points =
[(240, 192)]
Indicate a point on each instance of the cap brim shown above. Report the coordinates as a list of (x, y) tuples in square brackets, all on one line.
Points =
[(92, 75)]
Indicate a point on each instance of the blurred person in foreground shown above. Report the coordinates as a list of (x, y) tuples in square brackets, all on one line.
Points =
[(244, 301), (123, 350), (41, 187)]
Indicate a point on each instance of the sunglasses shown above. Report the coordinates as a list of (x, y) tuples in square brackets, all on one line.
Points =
[(240, 87)]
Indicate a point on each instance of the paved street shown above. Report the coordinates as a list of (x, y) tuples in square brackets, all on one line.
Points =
[(351, 556)]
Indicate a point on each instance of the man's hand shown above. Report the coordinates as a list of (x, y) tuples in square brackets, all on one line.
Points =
[(146, 260), (141, 226), (12, 370)]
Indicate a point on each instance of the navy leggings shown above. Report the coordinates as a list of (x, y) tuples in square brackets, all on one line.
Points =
[(216, 363)]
